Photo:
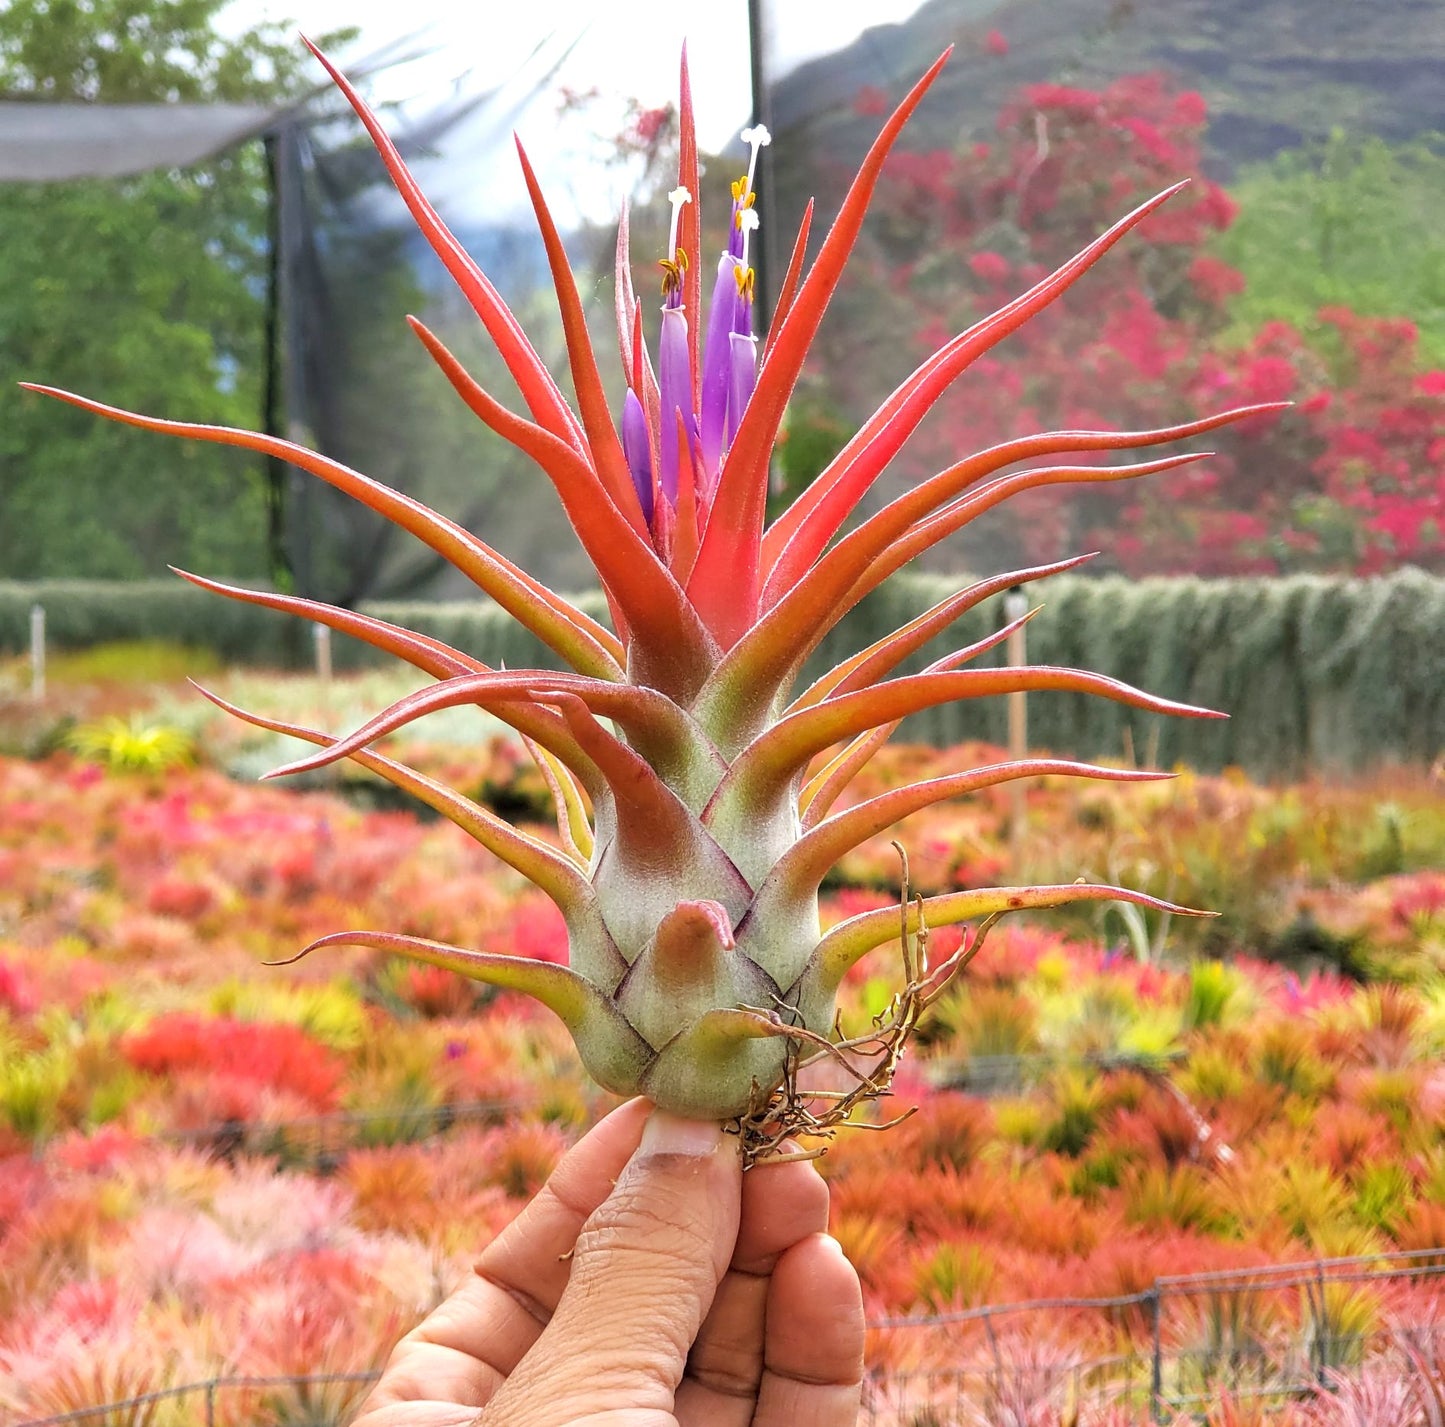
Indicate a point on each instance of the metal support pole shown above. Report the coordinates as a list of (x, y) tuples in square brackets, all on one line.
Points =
[(272, 418), (766, 262)]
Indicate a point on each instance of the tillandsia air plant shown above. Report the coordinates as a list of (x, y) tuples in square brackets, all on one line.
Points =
[(696, 787)]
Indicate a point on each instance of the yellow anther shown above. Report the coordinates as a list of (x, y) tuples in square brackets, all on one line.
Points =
[(745, 281), (672, 271)]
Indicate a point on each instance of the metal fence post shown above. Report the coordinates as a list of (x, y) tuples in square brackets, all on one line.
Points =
[(1015, 607), (321, 640), (37, 653), (1156, 1362)]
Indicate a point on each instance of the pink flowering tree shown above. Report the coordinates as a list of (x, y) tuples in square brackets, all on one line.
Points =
[(1351, 479)]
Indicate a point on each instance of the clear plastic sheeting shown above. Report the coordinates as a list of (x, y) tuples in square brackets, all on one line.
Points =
[(599, 128)]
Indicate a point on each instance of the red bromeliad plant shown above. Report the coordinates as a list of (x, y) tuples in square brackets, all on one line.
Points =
[(695, 790)]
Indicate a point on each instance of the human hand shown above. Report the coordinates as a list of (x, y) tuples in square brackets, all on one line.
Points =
[(649, 1284)]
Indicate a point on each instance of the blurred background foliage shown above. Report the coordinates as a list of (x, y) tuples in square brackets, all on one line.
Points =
[(147, 290)]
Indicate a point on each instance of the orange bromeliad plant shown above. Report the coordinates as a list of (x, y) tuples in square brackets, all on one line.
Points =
[(695, 788)]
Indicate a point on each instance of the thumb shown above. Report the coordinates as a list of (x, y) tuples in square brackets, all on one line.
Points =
[(644, 1272)]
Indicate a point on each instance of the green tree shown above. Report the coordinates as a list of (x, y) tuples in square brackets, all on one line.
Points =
[(1356, 222), (147, 292)]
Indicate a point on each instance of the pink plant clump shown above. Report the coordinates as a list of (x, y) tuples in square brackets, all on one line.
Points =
[(16, 994), (126, 1262), (280, 1057)]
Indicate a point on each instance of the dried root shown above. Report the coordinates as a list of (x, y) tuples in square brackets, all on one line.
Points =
[(870, 1060)]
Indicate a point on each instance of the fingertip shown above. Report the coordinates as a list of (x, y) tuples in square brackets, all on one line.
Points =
[(783, 1202), (815, 1313), (666, 1134), (601, 1153), (817, 1270), (584, 1176), (631, 1115)]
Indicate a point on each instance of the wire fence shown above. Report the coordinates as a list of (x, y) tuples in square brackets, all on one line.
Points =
[(318, 1399), (1268, 1335), (321, 1142), (1049, 1388)]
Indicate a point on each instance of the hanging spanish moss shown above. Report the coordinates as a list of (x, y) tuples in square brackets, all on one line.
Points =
[(1334, 675)]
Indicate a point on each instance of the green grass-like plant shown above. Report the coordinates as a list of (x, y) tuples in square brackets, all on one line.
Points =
[(132, 745)]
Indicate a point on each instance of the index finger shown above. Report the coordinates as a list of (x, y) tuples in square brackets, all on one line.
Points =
[(466, 1348)]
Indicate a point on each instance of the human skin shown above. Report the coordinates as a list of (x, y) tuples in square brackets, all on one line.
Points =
[(650, 1283)]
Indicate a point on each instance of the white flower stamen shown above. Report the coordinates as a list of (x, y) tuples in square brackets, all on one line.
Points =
[(755, 138), (747, 220), (678, 197)]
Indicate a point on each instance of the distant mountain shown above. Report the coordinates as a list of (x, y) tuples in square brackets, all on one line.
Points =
[(1275, 73)]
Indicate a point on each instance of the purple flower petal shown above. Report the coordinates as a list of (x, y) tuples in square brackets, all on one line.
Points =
[(674, 381), (637, 447), (716, 364), (743, 377)]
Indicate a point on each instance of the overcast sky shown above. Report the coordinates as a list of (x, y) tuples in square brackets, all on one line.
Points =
[(630, 47)]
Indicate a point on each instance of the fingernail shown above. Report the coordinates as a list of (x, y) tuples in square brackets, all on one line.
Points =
[(671, 1134)]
